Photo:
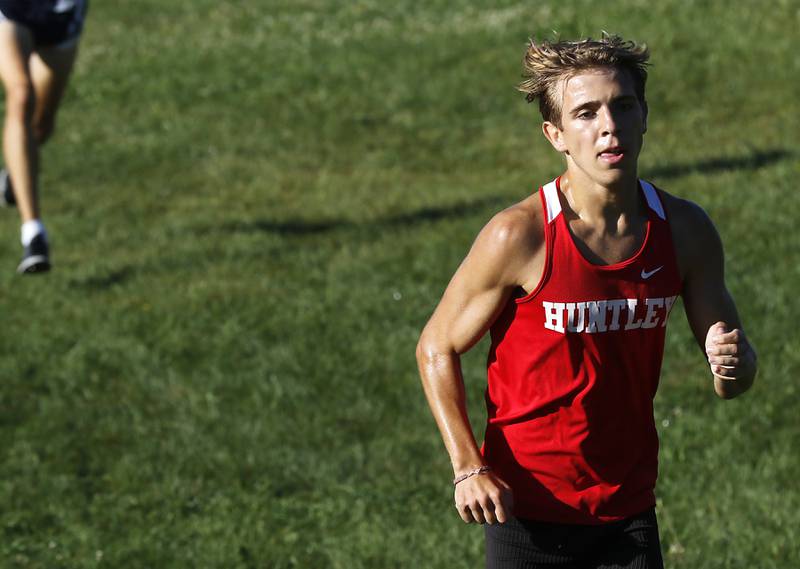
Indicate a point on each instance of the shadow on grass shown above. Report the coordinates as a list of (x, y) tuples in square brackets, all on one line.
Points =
[(428, 214), (104, 281), (755, 161), (294, 227)]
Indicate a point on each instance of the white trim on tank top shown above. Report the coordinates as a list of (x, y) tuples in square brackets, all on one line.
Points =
[(554, 204), (651, 195), (552, 201)]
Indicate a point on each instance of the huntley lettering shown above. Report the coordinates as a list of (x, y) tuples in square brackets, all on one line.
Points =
[(598, 316)]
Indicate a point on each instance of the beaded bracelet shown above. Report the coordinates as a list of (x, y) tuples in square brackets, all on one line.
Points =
[(481, 470)]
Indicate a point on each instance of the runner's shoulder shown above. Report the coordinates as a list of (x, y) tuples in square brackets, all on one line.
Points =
[(693, 232), (518, 229), (685, 214)]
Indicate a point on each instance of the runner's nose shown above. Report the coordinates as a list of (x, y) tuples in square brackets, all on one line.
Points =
[(608, 123)]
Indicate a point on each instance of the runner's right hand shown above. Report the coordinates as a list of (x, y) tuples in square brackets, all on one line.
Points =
[(484, 498)]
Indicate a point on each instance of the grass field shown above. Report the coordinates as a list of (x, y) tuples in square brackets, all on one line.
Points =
[(254, 208)]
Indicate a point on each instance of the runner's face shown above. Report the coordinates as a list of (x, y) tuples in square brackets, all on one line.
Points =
[(602, 123)]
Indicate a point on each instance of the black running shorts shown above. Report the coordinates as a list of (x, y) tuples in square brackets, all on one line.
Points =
[(52, 22), (524, 544)]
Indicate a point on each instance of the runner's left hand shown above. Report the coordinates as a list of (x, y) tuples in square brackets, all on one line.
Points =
[(730, 355)]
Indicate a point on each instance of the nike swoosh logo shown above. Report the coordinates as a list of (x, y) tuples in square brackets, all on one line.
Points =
[(647, 274)]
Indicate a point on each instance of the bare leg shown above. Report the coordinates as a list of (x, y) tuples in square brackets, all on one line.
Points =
[(19, 146), (50, 69)]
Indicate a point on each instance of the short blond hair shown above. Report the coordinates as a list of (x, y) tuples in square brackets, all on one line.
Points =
[(547, 64)]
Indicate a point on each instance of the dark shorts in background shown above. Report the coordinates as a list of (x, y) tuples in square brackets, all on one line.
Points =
[(524, 544), (52, 22)]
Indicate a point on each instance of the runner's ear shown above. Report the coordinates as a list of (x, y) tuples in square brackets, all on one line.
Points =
[(554, 136)]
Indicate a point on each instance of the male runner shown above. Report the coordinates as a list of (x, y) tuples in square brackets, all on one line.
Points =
[(38, 45), (575, 284)]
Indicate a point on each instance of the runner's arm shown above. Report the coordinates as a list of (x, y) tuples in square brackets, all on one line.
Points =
[(711, 310), (472, 301)]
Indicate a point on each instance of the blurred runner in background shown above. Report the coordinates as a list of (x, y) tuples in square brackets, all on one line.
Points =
[(38, 45)]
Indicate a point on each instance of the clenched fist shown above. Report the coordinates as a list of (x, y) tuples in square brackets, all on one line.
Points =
[(731, 358)]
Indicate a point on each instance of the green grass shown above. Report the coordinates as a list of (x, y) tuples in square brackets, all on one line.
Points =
[(254, 208)]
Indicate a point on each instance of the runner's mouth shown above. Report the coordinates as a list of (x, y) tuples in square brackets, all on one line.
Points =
[(612, 155)]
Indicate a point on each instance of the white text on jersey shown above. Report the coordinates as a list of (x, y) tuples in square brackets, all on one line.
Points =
[(597, 316)]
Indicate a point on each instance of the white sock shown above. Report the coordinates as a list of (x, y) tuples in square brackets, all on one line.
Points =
[(31, 229)]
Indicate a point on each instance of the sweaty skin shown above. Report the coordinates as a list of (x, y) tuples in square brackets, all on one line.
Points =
[(600, 135)]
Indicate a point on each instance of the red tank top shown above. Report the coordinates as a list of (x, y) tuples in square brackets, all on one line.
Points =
[(572, 373)]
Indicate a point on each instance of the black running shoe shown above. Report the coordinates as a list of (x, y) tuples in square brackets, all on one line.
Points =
[(36, 258), (7, 198)]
